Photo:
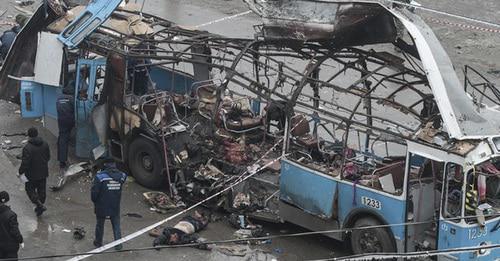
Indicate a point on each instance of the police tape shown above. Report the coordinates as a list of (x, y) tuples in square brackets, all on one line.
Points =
[(146, 229), (223, 19), (250, 172), (464, 26)]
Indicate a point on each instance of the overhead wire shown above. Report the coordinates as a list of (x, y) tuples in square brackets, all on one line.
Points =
[(416, 254), (250, 239)]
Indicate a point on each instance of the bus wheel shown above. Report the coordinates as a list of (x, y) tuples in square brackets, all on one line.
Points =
[(145, 163), (374, 240)]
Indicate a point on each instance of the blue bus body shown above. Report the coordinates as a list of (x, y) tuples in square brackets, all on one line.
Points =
[(314, 193), (330, 200), (96, 13), (459, 235)]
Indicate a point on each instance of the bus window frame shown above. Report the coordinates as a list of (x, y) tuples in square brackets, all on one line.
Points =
[(444, 195)]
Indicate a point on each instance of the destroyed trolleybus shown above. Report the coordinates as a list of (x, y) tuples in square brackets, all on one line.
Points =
[(367, 137)]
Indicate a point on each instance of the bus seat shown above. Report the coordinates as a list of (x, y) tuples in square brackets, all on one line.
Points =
[(300, 130)]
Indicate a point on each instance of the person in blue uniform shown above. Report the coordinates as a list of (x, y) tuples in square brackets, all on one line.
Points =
[(106, 195)]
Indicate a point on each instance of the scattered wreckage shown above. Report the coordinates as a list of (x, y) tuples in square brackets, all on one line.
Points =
[(370, 136)]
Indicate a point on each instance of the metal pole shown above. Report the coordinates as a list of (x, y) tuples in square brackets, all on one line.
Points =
[(165, 153), (368, 105), (142, 7)]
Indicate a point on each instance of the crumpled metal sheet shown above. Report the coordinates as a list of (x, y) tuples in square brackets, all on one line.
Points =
[(71, 171), (56, 6), (133, 25), (341, 23), (59, 25), (100, 121), (462, 119)]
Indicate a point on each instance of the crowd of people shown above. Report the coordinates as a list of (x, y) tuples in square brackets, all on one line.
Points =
[(106, 194)]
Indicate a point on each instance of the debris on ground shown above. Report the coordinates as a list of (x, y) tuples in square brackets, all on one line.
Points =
[(72, 171), (25, 2), (243, 233), (160, 202), (134, 215), (14, 134), (239, 253), (208, 172), (79, 233), (241, 201)]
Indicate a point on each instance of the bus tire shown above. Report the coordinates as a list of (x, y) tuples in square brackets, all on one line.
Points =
[(145, 163), (375, 240)]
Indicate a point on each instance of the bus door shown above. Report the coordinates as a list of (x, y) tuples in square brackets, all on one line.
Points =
[(89, 83), (470, 211), (423, 201)]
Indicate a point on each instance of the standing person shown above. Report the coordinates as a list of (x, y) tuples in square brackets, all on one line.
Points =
[(10, 236), (34, 165), (65, 122), (106, 194), (9, 36)]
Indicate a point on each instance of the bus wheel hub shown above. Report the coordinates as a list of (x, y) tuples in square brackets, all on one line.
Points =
[(370, 243), (147, 162)]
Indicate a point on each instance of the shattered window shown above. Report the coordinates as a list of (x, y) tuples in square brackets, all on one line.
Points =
[(483, 190), (452, 194), (99, 81), (77, 24), (83, 82)]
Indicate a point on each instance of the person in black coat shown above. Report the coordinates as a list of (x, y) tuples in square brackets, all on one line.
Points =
[(65, 122), (106, 195), (10, 236), (7, 40), (8, 37), (34, 165)]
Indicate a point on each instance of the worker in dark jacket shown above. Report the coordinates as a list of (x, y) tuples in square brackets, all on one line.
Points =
[(7, 39), (106, 195), (9, 36), (10, 237), (66, 122), (34, 165)]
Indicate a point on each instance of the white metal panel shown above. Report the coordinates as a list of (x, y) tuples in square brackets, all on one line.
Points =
[(481, 153), (459, 114), (48, 62), (434, 154)]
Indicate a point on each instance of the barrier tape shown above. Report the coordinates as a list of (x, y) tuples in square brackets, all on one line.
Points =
[(223, 19), (464, 26)]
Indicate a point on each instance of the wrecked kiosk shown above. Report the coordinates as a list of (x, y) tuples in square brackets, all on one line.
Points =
[(372, 137)]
